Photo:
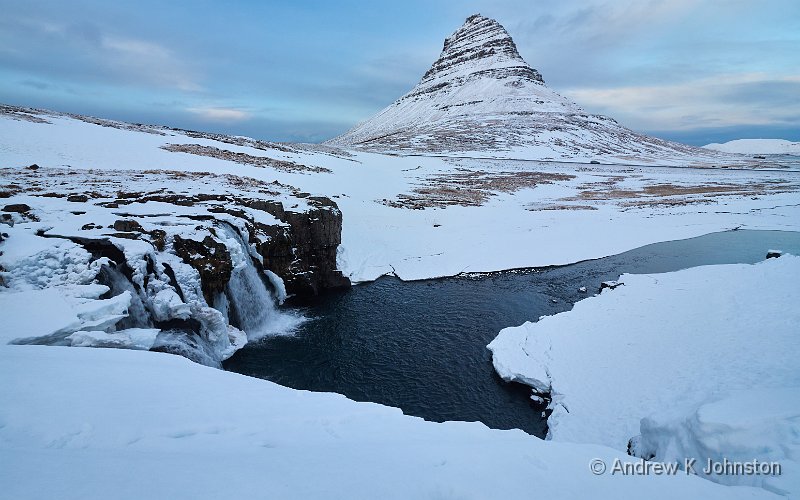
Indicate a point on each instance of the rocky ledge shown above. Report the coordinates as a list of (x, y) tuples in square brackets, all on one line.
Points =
[(204, 262)]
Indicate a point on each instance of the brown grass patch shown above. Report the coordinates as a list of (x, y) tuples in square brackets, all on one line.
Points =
[(470, 188), (242, 158), (673, 194)]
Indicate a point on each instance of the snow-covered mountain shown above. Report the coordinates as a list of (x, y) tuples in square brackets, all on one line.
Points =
[(480, 98), (757, 146)]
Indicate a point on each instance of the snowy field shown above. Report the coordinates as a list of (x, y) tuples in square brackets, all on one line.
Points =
[(422, 217), (103, 423), (702, 362)]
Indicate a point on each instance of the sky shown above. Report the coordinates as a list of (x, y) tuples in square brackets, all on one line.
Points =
[(696, 71)]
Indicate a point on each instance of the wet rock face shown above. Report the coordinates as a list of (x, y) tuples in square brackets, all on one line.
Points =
[(318, 233), (304, 253), (210, 258), (301, 250)]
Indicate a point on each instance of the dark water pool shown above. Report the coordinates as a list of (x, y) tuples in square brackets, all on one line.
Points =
[(421, 346)]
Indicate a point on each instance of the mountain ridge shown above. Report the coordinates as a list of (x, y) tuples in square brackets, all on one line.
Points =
[(757, 146)]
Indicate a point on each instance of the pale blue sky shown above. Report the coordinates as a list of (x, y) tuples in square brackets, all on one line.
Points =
[(691, 70)]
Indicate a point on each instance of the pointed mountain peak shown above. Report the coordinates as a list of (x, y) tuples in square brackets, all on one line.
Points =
[(479, 44), (480, 96)]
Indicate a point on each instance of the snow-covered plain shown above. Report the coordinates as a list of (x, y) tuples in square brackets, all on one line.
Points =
[(757, 146), (593, 211), (110, 423), (655, 355)]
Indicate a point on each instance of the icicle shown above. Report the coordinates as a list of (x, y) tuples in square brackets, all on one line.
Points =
[(278, 286), (222, 305), (138, 317)]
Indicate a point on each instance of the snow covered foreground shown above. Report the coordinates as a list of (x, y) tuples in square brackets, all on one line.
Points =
[(702, 362), (746, 426), (110, 423)]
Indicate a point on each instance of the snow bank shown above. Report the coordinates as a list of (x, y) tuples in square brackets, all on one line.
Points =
[(689, 359), (131, 338), (111, 423), (50, 290), (746, 427), (662, 341), (49, 315), (31, 262)]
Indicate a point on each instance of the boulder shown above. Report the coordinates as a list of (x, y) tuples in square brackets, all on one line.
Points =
[(774, 254), (19, 208), (127, 226)]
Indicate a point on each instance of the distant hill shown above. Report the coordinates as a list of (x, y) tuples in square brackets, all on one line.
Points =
[(757, 146)]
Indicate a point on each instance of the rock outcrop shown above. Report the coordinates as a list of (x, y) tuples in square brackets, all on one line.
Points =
[(304, 253), (190, 262), (210, 258), (479, 48)]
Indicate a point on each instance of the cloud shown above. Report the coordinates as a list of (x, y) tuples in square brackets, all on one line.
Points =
[(284, 69), (86, 51), (222, 115), (648, 41), (721, 101), (147, 59), (36, 84)]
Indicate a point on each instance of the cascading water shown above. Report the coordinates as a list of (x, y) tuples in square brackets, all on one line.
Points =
[(251, 306), (138, 316)]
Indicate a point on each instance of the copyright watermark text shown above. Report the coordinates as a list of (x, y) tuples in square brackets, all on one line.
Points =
[(724, 467)]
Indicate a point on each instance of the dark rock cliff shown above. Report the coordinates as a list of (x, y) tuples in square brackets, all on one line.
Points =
[(184, 252), (299, 247), (304, 253)]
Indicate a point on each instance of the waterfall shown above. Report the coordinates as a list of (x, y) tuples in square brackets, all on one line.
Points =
[(221, 304), (138, 317), (251, 306)]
